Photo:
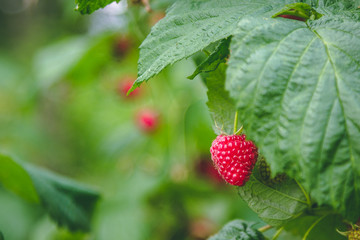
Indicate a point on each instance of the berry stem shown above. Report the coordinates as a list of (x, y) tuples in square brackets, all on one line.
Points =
[(277, 234), (236, 121), (312, 226), (305, 193), (265, 228)]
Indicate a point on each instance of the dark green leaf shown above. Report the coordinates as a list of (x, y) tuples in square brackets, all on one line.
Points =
[(191, 25), (298, 92), (221, 106), (1, 236), (219, 55), (89, 6), (276, 205), (69, 203), (16, 179), (238, 230), (319, 227)]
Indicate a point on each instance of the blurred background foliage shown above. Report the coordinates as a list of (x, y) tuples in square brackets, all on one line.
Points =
[(62, 107)]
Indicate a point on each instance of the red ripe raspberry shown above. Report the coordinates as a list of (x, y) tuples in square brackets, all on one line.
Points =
[(147, 120), (234, 157)]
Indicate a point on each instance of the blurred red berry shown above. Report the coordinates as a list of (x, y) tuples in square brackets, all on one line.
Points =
[(124, 86), (155, 17), (122, 46), (204, 168), (147, 120)]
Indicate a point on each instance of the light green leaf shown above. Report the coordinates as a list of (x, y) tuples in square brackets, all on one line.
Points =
[(276, 205), (301, 10), (82, 57), (238, 230), (16, 179), (221, 106), (298, 92), (69, 203), (161, 4), (218, 56), (54, 62), (89, 6), (340, 4), (191, 25)]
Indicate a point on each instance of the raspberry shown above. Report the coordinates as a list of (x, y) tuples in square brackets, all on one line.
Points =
[(122, 47), (147, 120), (234, 158)]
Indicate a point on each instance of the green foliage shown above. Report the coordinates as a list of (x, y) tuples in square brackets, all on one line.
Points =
[(319, 227), (220, 104), (238, 230), (295, 85), (190, 26), (81, 56), (276, 205), (89, 6), (219, 55), (302, 10), (69, 203), (1, 236), (300, 104), (23, 186)]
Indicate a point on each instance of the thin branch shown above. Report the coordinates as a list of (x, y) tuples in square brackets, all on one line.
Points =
[(265, 228)]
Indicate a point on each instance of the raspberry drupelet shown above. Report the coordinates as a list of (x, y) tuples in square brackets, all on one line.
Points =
[(234, 158)]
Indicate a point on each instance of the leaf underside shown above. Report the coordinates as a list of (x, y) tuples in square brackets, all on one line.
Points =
[(297, 88), (218, 56), (275, 205), (221, 106)]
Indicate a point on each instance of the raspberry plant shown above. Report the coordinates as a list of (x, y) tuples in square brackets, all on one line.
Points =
[(291, 69)]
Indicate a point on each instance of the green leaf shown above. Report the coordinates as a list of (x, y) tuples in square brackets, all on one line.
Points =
[(301, 10), (297, 90), (55, 61), (69, 203), (319, 227), (191, 25), (276, 205), (340, 4), (161, 4), (219, 55), (1, 236), (89, 6), (221, 106), (238, 230), (82, 57), (16, 179)]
